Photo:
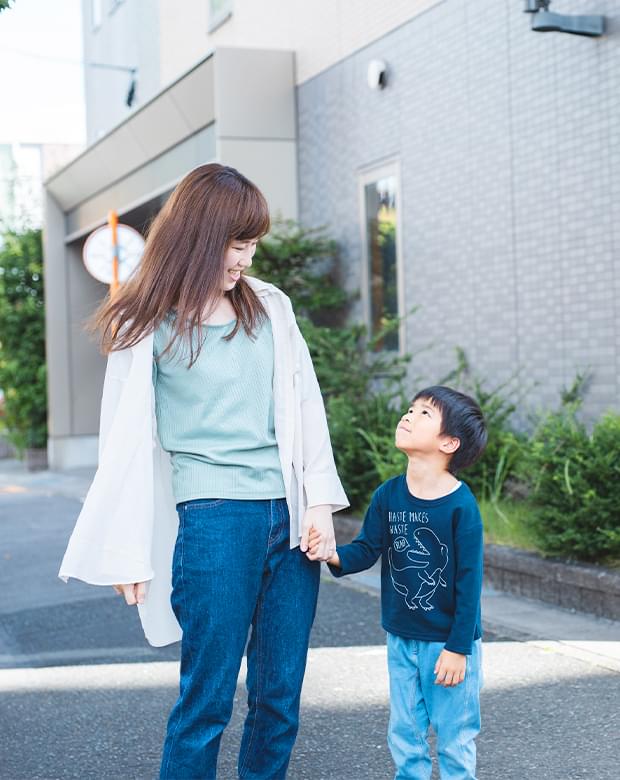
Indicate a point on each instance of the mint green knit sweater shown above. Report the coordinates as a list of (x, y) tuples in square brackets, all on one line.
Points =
[(216, 418)]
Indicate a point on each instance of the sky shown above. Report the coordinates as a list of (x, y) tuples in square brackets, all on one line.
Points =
[(41, 74)]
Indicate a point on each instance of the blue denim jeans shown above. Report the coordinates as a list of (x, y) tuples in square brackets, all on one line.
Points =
[(416, 703), (233, 570)]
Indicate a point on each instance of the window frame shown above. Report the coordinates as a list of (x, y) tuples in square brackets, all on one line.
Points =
[(366, 176)]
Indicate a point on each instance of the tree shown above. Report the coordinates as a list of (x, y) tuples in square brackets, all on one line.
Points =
[(22, 339)]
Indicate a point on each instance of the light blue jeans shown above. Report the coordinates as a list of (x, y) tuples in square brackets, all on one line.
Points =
[(417, 703)]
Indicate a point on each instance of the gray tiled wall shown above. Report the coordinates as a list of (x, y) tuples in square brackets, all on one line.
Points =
[(509, 147)]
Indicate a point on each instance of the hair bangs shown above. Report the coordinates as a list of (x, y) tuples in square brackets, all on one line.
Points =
[(433, 398), (462, 418), (252, 219), (182, 263)]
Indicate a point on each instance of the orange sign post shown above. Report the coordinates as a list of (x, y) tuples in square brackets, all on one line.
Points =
[(113, 223)]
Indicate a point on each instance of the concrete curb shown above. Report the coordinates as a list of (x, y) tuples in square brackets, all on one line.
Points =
[(577, 586), (574, 586), (6, 449)]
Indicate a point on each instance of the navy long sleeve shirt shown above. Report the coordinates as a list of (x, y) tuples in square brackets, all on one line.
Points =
[(431, 567)]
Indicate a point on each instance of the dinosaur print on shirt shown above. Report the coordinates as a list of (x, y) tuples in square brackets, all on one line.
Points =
[(431, 554), (416, 569)]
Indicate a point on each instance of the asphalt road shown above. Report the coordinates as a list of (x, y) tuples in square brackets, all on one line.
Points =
[(82, 696)]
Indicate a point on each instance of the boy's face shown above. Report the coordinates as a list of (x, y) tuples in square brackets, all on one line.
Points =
[(419, 430)]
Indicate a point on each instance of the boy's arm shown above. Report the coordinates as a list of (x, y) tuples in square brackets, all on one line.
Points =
[(334, 561), (365, 549), (469, 550)]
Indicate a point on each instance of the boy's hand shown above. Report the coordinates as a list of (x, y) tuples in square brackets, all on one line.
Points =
[(320, 518), (314, 541), (450, 669)]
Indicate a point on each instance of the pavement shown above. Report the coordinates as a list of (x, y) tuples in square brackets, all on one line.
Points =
[(565, 632), (83, 696)]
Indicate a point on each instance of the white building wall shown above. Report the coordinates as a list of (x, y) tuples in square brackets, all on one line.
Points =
[(165, 38), (321, 32), (127, 35)]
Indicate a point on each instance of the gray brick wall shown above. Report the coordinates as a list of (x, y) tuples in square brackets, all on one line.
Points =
[(509, 147)]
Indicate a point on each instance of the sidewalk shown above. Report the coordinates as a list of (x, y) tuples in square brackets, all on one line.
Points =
[(71, 655), (575, 634), (72, 483)]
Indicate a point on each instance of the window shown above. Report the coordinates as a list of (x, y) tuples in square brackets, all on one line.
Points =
[(219, 12), (96, 13), (380, 224)]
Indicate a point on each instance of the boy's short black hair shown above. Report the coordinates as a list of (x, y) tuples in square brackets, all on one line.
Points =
[(460, 417)]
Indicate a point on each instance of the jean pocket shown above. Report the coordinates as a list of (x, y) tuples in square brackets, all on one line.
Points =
[(202, 504)]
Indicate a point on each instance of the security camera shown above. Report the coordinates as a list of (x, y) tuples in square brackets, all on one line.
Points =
[(377, 74)]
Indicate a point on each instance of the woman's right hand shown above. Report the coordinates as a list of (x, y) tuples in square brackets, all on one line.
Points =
[(314, 540), (134, 593)]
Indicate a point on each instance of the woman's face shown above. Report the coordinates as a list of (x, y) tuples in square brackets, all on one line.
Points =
[(238, 257)]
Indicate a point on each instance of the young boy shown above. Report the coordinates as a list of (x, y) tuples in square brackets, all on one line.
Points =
[(426, 526)]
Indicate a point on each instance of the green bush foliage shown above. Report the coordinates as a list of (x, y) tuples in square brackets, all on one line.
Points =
[(499, 464), (22, 339), (364, 397), (574, 477), (302, 262), (569, 477), (363, 388)]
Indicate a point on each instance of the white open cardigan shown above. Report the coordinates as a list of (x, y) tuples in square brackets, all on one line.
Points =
[(127, 528)]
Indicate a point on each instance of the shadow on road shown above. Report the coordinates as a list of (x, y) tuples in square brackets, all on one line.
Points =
[(104, 630), (80, 723)]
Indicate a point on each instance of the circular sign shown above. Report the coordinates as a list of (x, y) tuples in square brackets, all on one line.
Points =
[(98, 252)]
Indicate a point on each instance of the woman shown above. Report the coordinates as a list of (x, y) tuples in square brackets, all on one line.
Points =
[(211, 405)]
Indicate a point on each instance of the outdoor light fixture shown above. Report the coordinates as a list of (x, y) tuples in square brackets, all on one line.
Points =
[(543, 20), (131, 91)]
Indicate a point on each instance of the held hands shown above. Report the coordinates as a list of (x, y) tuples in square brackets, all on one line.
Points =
[(318, 522), (314, 544), (319, 544), (450, 669), (134, 593)]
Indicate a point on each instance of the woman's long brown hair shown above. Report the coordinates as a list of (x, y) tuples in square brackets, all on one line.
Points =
[(183, 262)]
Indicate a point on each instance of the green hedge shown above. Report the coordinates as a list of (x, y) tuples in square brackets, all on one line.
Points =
[(500, 461), (574, 477), (22, 339), (363, 389), (562, 483)]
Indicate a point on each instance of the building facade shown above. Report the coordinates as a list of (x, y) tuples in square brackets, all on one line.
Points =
[(23, 169), (504, 148), (467, 165), (118, 36)]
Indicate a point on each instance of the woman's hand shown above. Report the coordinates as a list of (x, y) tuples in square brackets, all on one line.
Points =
[(314, 541), (319, 518), (134, 593)]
